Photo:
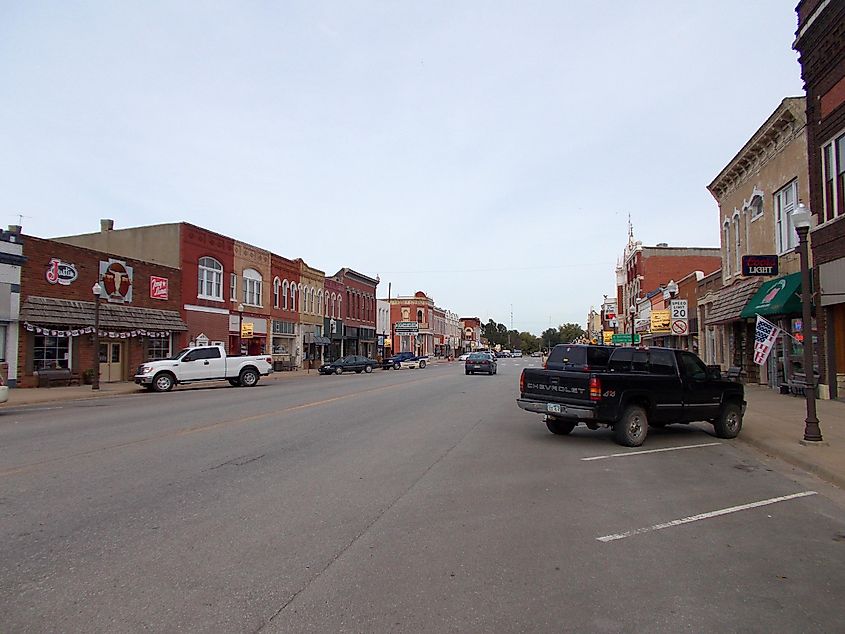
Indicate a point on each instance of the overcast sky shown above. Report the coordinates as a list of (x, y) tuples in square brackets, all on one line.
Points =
[(488, 153)]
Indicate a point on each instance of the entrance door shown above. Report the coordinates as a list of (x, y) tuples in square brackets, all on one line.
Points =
[(111, 361)]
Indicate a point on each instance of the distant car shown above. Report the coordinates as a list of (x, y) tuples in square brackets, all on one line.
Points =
[(395, 362), (536, 353), (4, 391), (516, 354), (464, 356), (578, 357), (481, 362), (350, 363), (503, 354)]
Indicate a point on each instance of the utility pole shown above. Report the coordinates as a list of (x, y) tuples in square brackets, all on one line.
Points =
[(510, 343)]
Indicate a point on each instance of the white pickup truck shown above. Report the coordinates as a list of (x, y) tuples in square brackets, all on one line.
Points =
[(203, 363)]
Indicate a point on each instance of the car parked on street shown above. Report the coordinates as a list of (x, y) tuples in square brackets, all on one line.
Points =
[(516, 354), (4, 391), (464, 356), (404, 360), (349, 363), (481, 362)]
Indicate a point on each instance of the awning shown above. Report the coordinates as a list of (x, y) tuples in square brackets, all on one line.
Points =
[(729, 301), (322, 341), (780, 296), (64, 312)]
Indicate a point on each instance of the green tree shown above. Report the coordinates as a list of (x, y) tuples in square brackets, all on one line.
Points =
[(570, 332)]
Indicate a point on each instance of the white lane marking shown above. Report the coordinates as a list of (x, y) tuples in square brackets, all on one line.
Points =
[(639, 453), (704, 516)]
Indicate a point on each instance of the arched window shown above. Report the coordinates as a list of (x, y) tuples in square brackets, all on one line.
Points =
[(340, 306), (293, 296), (210, 282), (320, 309), (726, 239), (314, 301), (737, 243), (756, 207), (285, 291), (420, 316), (252, 287), (334, 301), (277, 291)]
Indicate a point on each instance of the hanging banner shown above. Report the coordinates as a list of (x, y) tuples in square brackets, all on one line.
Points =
[(88, 330), (765, 335)]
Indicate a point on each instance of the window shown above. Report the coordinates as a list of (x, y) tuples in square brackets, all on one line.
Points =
[(620, 360), (293, 296), (419, 316), (662, 361), (639, 361), (2, 343), (784, 203), (334, 300), (314, 301), (206, 352), (158, 348), (285, 289), (50, 352), (277, 287), (210, 282), (727, 241), (233, 287), (756, 207), (306, 295), (252, 287), (693, 367), (737, 244), (833, 175)]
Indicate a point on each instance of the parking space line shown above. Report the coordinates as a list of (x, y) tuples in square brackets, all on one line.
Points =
[(704, 516), (639, 453)]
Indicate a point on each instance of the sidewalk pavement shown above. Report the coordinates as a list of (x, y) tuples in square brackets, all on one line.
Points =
[(773, 424)]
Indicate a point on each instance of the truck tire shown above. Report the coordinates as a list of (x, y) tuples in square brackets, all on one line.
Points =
[(632, 428), (560, 427), (163, 382), (338, 370), (729, 422), (467, 372), (249, 378), (368, 369), (422, 363)]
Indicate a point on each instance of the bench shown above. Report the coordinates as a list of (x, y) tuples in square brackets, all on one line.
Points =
[(284, 366), (734, 373), (797, 383), (57, 377)]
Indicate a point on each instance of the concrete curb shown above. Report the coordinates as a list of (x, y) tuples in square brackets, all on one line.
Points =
[(796, 459)]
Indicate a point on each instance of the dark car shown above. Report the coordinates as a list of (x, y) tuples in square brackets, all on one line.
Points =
[(481, 362), (350, 363), (575, 357)]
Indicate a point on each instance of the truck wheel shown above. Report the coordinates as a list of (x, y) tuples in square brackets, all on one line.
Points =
[(163, 382), (249, 378), (729, 422), (631, 429), (560, 427), (338, 370), (422, 363), (368, 369), (467, 372)]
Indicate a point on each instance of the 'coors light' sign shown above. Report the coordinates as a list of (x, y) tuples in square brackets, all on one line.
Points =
[(754, 265), (158, 287), (59, 272)]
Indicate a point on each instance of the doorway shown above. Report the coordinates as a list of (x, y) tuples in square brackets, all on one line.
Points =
[(111, 361)]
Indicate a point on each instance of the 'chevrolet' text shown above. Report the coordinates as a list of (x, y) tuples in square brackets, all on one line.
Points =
[(565, 389)]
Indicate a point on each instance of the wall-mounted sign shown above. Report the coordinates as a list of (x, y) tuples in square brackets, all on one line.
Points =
[(247, 330), (755, 265), (116, 281), (59, 272), (158, 287), (607, 337), (406, 326)]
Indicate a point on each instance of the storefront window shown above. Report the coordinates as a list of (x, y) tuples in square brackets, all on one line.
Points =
[(158, 348), (51, 352), (3, 342)]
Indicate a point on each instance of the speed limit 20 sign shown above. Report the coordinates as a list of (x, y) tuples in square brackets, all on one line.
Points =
[(679, 309)]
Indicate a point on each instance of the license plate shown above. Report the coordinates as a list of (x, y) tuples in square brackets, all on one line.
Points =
[(553, 407), (476, 367)]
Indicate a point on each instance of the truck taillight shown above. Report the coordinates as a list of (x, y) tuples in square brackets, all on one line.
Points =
[(522, 382), (595, 388), (269, 360)]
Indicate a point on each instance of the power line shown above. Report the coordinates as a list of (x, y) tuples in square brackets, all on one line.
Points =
[(510, 268)]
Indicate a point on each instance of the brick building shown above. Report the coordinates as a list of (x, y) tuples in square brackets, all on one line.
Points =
[(312, 314), (284, 322), (756, 193), (470, 334), (334, 292), (359, 312), (419, 309), (139, 311), (820, 42), (643, 269)]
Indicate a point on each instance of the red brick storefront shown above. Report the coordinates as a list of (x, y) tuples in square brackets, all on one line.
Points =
[(139, 316)]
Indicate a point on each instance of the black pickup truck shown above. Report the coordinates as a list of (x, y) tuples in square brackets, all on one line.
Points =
[(641, 387)]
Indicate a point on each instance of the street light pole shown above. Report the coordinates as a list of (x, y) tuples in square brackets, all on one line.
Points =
[(240, 327), (95, 379), (632, 310), (801, 218)]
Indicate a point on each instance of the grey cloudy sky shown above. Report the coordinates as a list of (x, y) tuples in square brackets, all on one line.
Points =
[(487, 153)]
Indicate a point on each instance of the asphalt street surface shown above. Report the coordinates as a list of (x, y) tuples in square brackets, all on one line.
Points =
[(407, 501)]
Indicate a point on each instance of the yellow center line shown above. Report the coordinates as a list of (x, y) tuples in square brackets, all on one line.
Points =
[(210, 426)]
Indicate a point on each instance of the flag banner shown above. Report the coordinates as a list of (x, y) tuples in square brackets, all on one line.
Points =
[(765, 336)]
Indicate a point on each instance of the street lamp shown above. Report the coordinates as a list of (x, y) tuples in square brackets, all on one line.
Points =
[(95, 380), (240, 326), (632, 311), (802, 220)]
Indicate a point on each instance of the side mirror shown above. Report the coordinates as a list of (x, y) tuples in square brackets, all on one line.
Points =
[(714, 372)]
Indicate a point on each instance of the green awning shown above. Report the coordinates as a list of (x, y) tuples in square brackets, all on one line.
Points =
[(780, 296)]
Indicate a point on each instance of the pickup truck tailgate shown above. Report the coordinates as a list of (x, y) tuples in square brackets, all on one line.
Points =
[(557, 385)]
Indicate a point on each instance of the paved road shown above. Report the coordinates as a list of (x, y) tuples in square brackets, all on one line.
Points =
[(417, 500)]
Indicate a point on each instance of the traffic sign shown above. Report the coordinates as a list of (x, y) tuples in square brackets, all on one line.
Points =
[(680, 327), (679, 309), (624, 338)]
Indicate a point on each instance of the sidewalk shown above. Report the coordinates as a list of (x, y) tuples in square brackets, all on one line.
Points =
[(774, 424)]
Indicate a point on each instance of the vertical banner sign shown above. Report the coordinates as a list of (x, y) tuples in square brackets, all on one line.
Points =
[(158, 287), (765, 336)]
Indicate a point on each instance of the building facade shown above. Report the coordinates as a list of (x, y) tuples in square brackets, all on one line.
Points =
[(359, 312), (383, 328), (11, 261), (820, 42), (470, 334), (756, 193), (285, 333), (412, 318), (139, 317), (311, 305), (333, 324)]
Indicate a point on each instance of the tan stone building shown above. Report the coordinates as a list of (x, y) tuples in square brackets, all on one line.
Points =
[(757, 192), (312, 310)]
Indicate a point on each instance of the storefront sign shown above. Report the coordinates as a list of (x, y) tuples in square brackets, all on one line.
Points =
[(607, 337), (158, 287), (116, 281), (247, 330), (756, 265), (62, 273), (407, 326), (660, 322)]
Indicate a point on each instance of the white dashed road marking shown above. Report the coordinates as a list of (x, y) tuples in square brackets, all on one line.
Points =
[(703, 516), (639, 453)]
